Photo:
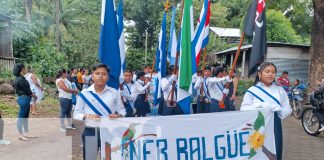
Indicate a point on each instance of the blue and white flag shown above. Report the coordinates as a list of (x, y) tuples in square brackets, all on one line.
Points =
[(160, 64), (172, 51), (109, 52), (121, 36)]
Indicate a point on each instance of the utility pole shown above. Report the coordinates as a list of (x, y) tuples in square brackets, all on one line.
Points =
[(146, 47)]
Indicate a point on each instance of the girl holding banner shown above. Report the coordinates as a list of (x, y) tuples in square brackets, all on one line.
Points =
[(267, 94)]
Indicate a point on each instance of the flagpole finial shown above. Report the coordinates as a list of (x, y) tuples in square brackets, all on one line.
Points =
[(167, 5)]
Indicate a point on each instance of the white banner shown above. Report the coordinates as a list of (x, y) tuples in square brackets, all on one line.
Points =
[(225, 135)]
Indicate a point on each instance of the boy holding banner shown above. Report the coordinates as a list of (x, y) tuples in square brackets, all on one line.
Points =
[(95, 102)]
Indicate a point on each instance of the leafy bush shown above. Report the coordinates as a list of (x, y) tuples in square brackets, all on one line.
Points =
[(6, 74), (243, 86), (45, 59)]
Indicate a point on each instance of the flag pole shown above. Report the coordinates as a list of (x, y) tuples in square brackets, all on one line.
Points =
[(151, 75), (237, 55), (202, 74), (221, 103), (177, 59)]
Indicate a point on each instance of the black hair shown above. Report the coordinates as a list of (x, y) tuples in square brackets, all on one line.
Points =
[(140, 74), (208, 68), (261, 68), (100, 65), (297, 80), (218, 70), (285, 72), (60, 73), (170, 70), (17, 69), (128, 71)]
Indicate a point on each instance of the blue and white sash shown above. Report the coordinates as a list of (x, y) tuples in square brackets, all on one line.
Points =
[(220, 86), (262, 95), (95, 103), (206, 91), (130, 93)]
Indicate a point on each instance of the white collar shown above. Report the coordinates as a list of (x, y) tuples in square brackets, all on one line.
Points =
[(91, 88)]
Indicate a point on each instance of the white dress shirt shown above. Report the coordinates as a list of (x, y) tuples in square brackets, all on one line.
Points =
[(129, 94), (109, 96), (166, 85), (250, 102), (194, 78), (210, 84), (140, 88)]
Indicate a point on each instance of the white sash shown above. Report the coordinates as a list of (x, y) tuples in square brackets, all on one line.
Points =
[(96, 104), (260, 94)]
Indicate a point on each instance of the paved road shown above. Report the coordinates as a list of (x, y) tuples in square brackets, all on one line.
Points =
[(53, 144), (300, 146)]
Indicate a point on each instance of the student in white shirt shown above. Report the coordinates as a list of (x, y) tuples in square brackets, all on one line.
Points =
[(267, 94), (141, 104), (95, 102), (203, 100), (127, 90), (169, 105), (212, 90)]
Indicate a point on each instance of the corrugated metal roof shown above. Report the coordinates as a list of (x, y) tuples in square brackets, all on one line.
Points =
[(270, 44), (226, 32)]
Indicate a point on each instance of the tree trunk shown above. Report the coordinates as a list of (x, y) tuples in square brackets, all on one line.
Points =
[(316, 68), (28, 8), (58, 35)]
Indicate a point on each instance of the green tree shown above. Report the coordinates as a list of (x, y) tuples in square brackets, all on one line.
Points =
[(279, 28)]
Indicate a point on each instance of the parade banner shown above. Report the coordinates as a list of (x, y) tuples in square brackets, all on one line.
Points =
[(226, 135)]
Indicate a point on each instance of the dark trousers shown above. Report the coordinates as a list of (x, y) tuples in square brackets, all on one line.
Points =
[(203, 106), (142, 106), (23, 114), (91, 143), (168, 110), (229, 104), (66, 109), (129, 110), (278, 136), (1, 128), (214, 107)]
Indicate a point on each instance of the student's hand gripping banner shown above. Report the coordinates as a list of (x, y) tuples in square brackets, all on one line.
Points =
[(227, 135)]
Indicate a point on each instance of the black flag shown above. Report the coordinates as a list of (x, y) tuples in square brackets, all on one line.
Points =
[(255, 26)]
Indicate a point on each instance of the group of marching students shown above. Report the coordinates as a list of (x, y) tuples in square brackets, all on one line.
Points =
[(208, 88), (215, 90)]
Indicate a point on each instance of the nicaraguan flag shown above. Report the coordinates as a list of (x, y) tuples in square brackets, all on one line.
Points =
[(109, 52), (160, 57), (202, 31), (121, 39), (172, 51), (187, 65)]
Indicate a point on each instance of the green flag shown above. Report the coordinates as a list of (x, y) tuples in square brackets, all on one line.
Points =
[(186, 57)]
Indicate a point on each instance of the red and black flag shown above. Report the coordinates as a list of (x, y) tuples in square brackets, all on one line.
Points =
[(255, 26)]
